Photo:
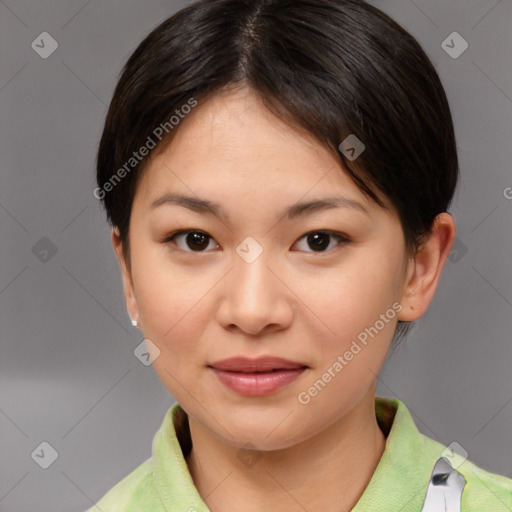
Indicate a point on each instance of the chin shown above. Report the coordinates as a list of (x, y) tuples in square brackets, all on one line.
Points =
[(260, 443), (264, 436)]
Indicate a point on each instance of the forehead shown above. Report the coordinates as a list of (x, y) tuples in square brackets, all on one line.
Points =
[(231, 145)]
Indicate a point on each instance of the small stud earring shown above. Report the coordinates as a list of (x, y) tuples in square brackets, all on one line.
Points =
[(135, 323)]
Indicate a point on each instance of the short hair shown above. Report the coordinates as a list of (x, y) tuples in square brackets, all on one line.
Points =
[(334, 68)]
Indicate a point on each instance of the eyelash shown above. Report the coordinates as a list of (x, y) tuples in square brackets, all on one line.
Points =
[(341, 237)]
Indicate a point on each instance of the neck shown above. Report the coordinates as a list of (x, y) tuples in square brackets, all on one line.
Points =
[(327, 472)]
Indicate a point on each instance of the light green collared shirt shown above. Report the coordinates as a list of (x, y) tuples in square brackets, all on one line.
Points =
[(399, 484)]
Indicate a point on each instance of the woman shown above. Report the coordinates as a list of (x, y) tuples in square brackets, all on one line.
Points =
[(277, 174)]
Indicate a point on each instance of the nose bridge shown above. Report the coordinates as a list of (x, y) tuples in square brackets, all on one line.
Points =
[(252, 277), (254, 297)]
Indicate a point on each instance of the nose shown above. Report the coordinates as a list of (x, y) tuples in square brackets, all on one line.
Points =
[(255, 297)]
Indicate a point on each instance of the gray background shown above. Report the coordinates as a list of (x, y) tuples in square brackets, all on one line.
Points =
[(68, 373)]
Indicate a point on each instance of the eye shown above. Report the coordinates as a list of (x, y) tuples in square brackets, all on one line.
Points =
[(195, 240), (319, 240)]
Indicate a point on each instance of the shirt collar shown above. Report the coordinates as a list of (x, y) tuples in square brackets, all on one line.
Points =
[(403, 473), (399, 482)]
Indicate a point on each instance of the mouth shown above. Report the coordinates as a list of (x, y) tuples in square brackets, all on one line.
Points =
[(257, 377), (268, 364)]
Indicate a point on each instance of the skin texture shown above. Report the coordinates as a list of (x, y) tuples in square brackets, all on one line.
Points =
[(294, 301)]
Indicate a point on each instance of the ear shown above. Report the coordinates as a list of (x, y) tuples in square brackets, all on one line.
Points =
[(425, 268), (129, 295)]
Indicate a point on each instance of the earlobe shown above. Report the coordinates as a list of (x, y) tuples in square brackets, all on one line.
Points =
[(426, 267)]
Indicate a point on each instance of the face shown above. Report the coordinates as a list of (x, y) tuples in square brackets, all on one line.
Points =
[(254, 281)]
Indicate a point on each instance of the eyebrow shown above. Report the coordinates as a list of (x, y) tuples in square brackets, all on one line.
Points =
[(297, 210)]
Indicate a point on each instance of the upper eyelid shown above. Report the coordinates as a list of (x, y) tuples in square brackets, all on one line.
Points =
[(180, 232), (192, 230)]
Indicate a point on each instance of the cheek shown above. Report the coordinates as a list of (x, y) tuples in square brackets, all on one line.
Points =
[(174, 320), (349, 297), (170, 303), (346, 305)]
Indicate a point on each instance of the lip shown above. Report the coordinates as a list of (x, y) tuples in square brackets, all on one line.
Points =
[(260, 364), (257, 377)]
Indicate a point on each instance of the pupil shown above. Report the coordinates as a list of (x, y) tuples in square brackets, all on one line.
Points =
[(197, 238), (319, 240)]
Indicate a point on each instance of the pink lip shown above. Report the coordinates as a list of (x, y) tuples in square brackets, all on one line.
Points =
[(260, 364), (257, 377)]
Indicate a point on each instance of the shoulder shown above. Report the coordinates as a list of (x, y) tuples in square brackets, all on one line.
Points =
[(135, 492), (485, 490)]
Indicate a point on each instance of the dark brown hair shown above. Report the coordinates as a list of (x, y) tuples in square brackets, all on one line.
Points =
[(331, 67)]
